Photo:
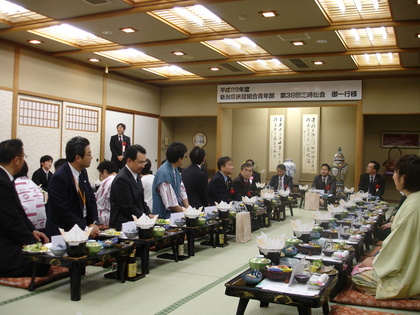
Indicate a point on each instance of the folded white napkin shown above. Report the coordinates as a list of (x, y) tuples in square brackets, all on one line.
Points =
[(348, 190), (304, 188), (144, 222), (247, 200), (260, 185), (192, 213), (266, 244), (76, 235), (334, 210), (224, 206), (317, 215), (301, 228)]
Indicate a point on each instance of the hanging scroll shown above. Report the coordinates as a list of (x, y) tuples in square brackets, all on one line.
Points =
[(276, 141), (310, 143)]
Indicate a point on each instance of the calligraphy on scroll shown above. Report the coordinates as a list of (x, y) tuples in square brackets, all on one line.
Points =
[(276, 141), (310, 143)]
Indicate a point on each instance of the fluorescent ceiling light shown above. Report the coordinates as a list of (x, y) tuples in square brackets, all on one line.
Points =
[(268, 14), (128, 30), (35, 41), (298, 43)]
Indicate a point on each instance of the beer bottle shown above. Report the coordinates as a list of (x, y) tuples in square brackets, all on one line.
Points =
[(132, 264), (221, 236)]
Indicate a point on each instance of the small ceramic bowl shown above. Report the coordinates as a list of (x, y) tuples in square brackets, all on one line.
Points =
[(302, 278), (328, 252), (158, 231), (58, 251), (179, 222), (130, 234), (93, 248), (252, 276)]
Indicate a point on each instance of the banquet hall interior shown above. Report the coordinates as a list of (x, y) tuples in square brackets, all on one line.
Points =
[(80, 67)]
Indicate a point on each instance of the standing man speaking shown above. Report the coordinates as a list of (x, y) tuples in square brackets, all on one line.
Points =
[(118, 145)]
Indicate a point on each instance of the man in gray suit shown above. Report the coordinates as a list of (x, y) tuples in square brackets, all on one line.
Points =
[(127, 193)]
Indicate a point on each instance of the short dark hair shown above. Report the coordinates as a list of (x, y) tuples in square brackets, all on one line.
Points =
[(222, 161), (250, 161), (409, 166), (281, 166), (76, 146), (132, 151), (122, 125), (175, 151), (23, 171), (146, 168), (327, 165), (9, 149), (44, 159), (197, 155), (108, 166), (246, 165), (376, 165), (59, 163)]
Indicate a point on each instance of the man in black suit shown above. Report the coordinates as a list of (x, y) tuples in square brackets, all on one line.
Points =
[(118, 144), (71, 198), (325, 181), (372, 182), (281, 181), (256, 177), (127, 193), (220, 186), (16, 229), (195, 180), (242, 185), (43, 175)]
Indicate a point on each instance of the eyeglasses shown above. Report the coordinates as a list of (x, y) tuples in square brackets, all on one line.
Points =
[(142, 162)]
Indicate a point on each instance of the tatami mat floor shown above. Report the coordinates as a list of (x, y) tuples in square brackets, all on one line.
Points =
[(192, 286)]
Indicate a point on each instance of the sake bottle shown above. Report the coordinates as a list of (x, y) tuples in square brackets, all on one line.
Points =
[(132, 264)]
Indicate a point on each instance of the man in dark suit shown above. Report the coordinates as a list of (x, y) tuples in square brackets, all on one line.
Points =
[(325, 181), (16, 229), (195, 180), (242, 185), (127, 193), (371, 181), (256, 177), (220, 186), (118, 144), (71, 197), (281, 181), (43, 175)]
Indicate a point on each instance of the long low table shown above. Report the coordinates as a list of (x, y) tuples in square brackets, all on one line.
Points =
[(304, 303), (77, 265), (172, 238)]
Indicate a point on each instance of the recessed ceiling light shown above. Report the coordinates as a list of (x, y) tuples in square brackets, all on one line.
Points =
[(94, 59), (298, 43), (35, 41), (214, 69), (418, 35), (318, 62), (179, 53), (268, 14), (128, 30)]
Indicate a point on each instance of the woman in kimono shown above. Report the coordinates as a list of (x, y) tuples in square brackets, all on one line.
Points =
[(393, 273)]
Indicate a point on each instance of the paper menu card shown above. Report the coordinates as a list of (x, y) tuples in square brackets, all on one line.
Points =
[(129, 226), (277, 286), (58, 241)]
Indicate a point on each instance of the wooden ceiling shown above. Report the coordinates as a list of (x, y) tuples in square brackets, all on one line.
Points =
[(297, 20)]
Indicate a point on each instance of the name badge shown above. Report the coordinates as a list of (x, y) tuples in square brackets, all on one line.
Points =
[(84, 211)]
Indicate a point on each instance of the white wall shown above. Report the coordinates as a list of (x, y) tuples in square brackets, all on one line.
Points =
[(146, 134)]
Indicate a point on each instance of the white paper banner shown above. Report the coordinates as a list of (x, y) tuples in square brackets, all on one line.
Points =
[(290, 92), (276, 141), (310, 143)]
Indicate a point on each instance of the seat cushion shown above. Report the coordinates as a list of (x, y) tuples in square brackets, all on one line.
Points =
[(346, 310), (353, 297), (55, 273)]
